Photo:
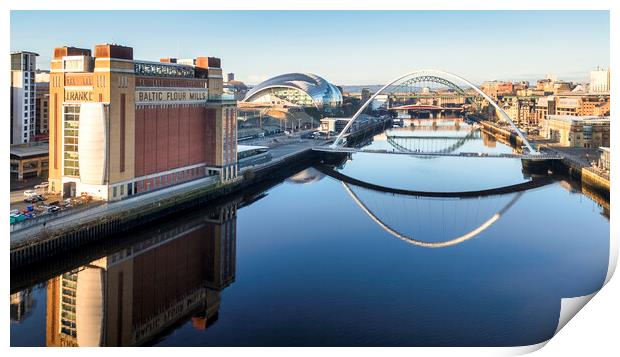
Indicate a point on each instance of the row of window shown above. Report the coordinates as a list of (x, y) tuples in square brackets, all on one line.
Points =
[(158, 182), (71, 132)]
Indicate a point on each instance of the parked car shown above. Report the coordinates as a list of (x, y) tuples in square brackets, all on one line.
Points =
[(34, 198), (29, 193), (42, 185), (17, 219)]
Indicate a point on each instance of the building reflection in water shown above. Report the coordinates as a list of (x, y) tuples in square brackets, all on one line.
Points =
[(488, 140), (22, 305), (600, 199), (141, 293)]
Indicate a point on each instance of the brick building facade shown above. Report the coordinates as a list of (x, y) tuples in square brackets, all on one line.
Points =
[(120, 127)]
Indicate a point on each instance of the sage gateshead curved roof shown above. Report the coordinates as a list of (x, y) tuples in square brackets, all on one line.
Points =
[(303, 89)]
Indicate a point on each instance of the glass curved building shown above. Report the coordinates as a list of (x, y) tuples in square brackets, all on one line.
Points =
[(303, 89)]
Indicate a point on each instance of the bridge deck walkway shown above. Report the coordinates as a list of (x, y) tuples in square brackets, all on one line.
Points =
[(524, 186), (542, 156)]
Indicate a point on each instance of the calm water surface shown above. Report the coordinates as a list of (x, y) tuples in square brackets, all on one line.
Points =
[(315, 262)]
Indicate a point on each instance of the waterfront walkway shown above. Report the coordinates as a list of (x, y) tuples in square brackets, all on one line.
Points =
[(110, 208), (78, 217)]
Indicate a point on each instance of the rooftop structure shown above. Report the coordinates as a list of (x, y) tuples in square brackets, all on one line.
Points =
[(30, 149), (29, 160), (298, 89)]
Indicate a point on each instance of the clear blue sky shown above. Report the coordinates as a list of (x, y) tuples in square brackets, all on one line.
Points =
[(345, 47)]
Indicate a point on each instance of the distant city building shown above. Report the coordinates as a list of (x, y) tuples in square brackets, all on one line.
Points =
[(579, 89), (520, 86), (333, 125), (531, 92), (42, 76), (237, 89), (29, 160), (575, 104), (521, 110), (545, 85), (599, 81), (437, 98), (380, 101), (562, 87), (365, 95), (230, 77), (120, 126), (574, 131), (544, 106), (42, 96), (495, 89), (604, 159), (336, 125), (23, 106), (297, 89)]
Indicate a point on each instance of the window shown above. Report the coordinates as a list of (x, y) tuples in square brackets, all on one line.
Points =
[(71, 129), (122, 190), (114, 192)]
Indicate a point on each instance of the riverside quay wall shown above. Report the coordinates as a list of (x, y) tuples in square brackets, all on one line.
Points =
[(569, 165), (38, 244)]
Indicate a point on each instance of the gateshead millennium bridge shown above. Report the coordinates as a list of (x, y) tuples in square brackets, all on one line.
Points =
[(443, 78), (425, 145)]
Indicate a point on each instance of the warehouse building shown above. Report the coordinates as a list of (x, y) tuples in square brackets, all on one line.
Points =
[(120, 127)]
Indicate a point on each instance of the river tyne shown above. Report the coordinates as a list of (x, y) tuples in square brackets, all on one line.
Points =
[(312, 261)]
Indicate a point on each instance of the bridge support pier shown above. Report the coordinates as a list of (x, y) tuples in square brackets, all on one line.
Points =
[(536, 166), (335, 159)]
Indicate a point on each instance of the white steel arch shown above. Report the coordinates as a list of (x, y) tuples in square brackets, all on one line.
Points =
[(447, 76)]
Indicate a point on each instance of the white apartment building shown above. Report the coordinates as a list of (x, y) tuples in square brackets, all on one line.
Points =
[(599, 80), (23, 104)]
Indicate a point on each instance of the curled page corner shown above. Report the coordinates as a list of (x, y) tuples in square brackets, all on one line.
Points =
[(570, 307), (522, 350)]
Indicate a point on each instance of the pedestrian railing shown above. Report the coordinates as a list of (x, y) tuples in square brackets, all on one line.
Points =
[(44, 218)]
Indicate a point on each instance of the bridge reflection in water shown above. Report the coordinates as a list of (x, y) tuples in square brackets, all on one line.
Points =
[(418, 210), (480, 286), (139, 294), (430, 144)]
